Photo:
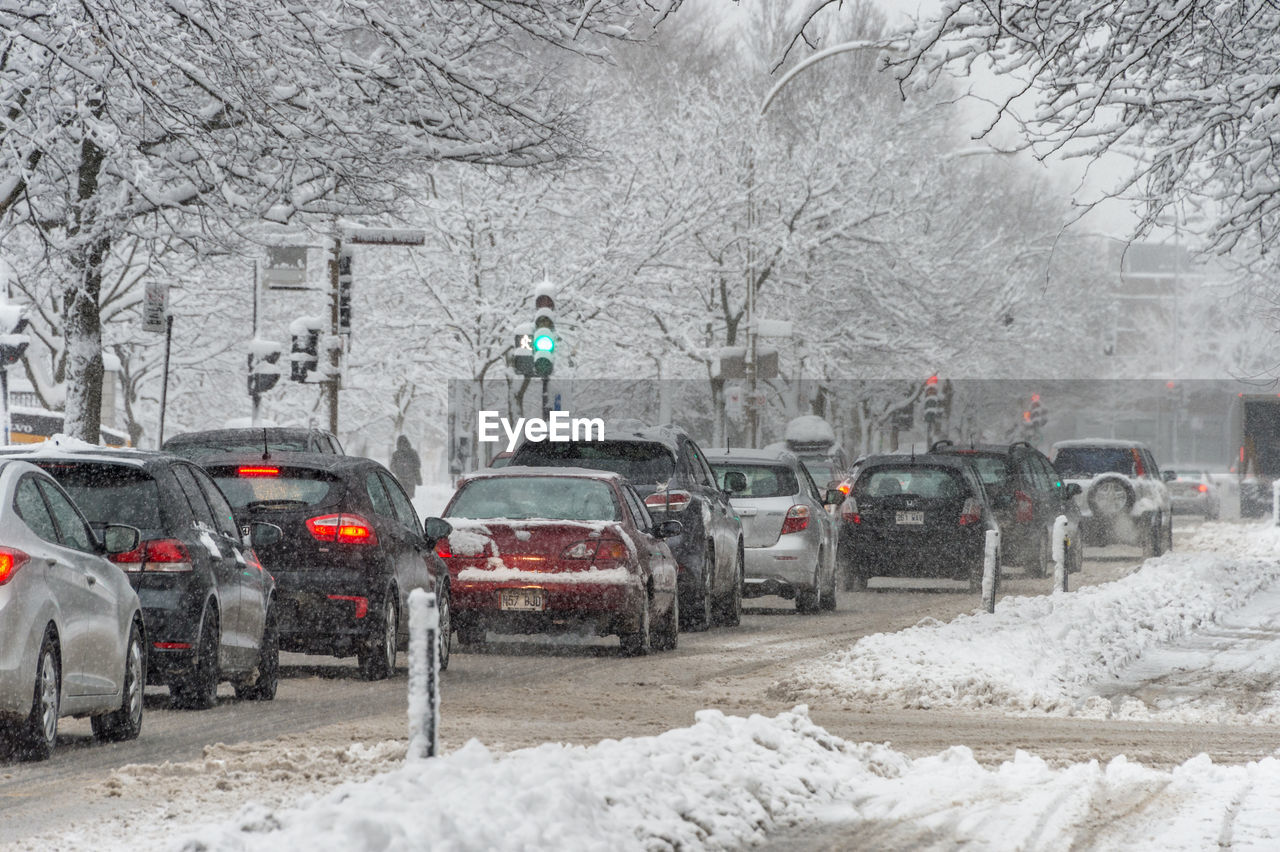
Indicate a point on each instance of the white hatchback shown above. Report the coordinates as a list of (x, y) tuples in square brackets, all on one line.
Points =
[(72, 625)]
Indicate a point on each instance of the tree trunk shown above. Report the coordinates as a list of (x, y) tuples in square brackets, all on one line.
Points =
[(82, 322)]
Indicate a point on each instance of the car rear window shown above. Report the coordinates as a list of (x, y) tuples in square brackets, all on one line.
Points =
[(520, 497), (1083, 462), (215, 448), (254, 487), (763, 480), (643, 462), (918, 481), (992, 470), (110, 493), (822, 470)]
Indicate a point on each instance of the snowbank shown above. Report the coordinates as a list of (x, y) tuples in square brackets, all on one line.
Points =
[(1041, 653)]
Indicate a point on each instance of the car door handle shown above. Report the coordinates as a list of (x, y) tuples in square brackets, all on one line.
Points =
[(90, 579)]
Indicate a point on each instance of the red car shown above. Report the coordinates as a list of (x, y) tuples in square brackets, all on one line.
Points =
[(535, 550)]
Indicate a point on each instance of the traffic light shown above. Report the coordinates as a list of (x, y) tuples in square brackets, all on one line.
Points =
[(262, 380), (1038, 415), (345, 259), (14, 340), (522, 353), (544, 332), (305, 354), (932, 404)]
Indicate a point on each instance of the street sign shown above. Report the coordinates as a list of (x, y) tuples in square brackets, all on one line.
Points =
[(386, 236), (155, 306)]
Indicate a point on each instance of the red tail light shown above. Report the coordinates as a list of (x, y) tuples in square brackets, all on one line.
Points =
[(258, 470), (345, 528), (442, 549), (844, 488), (1202, 488), (849, 511), (1024, 509), (1138, 469), (796, 520), (668, 501), (11, 559), (599, 550), (161, 554), (971, 512), (362, 604)]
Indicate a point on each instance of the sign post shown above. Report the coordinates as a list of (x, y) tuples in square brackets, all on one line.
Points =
[(156, 318)]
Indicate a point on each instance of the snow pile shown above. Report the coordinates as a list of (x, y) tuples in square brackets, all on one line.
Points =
[(720, 784), (1042, 653)]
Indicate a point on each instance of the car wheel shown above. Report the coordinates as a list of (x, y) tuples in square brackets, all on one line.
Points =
[(1151, 540), (471, 636), (199, 690), (808, 599), (730, 610), (36, 735), (126, 723), (667, 636), (263, 687), (699, 618), (1044, 557), (444, 606), (1075, 561), (377, 657), (637, 644), (827, 600), (1168, 542)]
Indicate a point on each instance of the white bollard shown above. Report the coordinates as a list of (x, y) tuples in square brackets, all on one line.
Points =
[(990, 567), (1060, 553), (424, 675)]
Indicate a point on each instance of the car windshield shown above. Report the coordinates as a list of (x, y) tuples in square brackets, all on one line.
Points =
[(518, 497), (763, 480), (1083, 462), (642, 462), (933, 483), (282, 489), (110, 493)]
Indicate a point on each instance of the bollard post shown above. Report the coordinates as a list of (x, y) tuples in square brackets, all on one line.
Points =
[(424, 675), (991, 570), (1060, 553), (1275, 503)]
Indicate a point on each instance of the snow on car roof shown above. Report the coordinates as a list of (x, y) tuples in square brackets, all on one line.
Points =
[(748, 454), (809, 429), (1118, 443)]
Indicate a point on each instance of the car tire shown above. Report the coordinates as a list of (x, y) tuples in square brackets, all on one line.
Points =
[(637, 644), (1168, 542), (827, 599), (1075, 554), (267, 678), (1152, 540), (35, 736), (729, 613), (699, 619), (808, 599), (471, 636), (444, 606), (667, 636), (126, 723), (199, 690), (376, 658), (1043, 557)]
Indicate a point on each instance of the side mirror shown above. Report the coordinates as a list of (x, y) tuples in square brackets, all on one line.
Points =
[(1169, 475), (735, 481), (1071, 489), (668, 529), (263, 534), (834, 497), (435, 529), (120, 538)]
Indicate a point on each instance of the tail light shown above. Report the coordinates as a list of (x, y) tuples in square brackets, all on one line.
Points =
[(844, 488), (598, 549), (167, 555), (796, 520), (1138, 468), (971, 512), (668, 501), (1202, 488), (1023, 510), (442, 549), (849, 511), (11, 559), (345, 528), (258, 470)]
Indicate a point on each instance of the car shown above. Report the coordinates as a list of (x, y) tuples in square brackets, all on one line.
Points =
[(538, 550), (669, 471), (1193, 491), (920, 516), (1027, 495), (351, 550), (260, 439), (74, 635), (207, 601), (1123, 499), (789, 536)]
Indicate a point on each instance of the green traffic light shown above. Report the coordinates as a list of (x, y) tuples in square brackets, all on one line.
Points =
[(543, 342)]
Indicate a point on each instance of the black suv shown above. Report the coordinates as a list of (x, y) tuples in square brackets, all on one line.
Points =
[(207, 601), (1027, 495), (668, 470), (350, 553), (260, 439)]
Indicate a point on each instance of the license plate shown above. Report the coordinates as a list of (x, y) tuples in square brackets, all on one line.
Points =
[(524, 599), (910, 517)]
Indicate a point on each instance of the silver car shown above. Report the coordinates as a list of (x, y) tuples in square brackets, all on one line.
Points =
[(789, 536), (73, 635)]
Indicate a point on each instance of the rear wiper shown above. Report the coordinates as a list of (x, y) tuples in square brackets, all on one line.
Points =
[(274, 504)]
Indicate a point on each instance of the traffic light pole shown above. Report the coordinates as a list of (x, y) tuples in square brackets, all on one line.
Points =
[(334, 382)]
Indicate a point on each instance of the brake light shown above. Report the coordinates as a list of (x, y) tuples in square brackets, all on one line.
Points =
[(849, 511), (168, 555), (600, 549), (345, 528), (843, 488), (1202, 488), (971, 512), (796, 520), (668, 501), (1138, 469), (1024, 509), (11, 559), (442, 549), (362, 604), (258, 470)]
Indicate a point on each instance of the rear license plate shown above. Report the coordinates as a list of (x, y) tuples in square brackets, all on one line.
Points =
[(523, 599), (910, 517)]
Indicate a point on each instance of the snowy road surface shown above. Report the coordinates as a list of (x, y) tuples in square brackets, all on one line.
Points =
[(794, 781)]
